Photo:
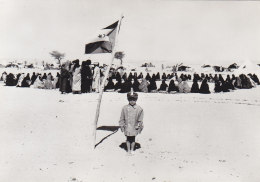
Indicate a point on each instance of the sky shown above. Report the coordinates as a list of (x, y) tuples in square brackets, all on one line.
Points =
[(190, 32)]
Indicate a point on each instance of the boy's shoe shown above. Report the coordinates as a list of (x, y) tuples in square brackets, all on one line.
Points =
[(132, 152)]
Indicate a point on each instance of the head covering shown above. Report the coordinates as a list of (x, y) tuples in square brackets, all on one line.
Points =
[(132, 95), (88, 62)]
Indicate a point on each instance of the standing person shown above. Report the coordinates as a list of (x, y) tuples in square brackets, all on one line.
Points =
[(131, 121), (96, 79), (64, 78), (86, 76), (76, 79)]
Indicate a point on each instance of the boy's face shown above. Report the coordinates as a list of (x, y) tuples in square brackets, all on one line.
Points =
[(132, 102)]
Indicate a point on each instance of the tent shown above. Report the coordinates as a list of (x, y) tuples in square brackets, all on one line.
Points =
[(248, 67)]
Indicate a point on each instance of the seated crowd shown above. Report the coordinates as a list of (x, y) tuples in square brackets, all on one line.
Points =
[(87, 78)]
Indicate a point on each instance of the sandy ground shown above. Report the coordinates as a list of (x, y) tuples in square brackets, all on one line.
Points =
[(46, 136)]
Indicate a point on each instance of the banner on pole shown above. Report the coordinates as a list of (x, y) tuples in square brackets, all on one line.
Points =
[(104, 42)]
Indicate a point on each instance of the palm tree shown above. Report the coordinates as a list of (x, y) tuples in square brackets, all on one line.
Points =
[(120, 55)]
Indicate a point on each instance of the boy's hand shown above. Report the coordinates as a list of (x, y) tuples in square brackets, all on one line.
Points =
[(122, 129)]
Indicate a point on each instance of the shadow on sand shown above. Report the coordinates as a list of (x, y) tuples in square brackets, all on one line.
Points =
[(114, 129), (123, 146)]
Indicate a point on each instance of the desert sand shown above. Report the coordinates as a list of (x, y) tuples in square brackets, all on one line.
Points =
[(47, 136)]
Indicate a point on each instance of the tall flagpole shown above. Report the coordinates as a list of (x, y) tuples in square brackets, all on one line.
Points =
[(103, 84)]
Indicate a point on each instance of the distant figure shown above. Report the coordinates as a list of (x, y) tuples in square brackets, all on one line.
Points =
[(20, 80), (86, 77), (217, 88), (143, 87), (33, 78), (131, 121), (76, 79), (152, 87), (3, 77), (96, 79), (10, 80), (118, 85), (148, 77), (136, 85), (26, 81), (38, 83), (204, 88), (125, 86), (110, 85), (48, 83), (183, 86), (172, 87), (64, 78), (195, 86), (163, 87)]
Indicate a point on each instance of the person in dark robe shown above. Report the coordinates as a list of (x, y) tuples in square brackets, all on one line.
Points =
[(176, 76), (153, 77), (217, 88), (118, 85), (189, 77), (152, 86), (196, 76), (124, 76), (126, 86), (204, 88), (172, 87), (220, 78), (255, 78), (224, 86), (130, 76), (229, 83), (135, 75), (10, 80), (110, 85), (44, 77), (64, 78), (118, 76), (195, 86), (58, 80), (136, 85), (148, 77), (86, 76), (158, 77), (26, 81), (216, 78), (163, 87), (140, 76), (164, 77), (33, 78), (202, 76)]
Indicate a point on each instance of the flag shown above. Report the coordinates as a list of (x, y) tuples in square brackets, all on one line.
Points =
[(104, 42)]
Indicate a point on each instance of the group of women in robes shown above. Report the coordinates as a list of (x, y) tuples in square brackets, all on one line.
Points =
[(87, 78), (36, 80)]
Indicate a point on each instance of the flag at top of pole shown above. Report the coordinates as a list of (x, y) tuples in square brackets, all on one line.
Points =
[(104, 42)]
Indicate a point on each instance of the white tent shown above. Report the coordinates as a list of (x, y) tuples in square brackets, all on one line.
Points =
[(248, 67)]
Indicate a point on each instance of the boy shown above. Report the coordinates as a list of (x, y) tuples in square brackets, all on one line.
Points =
[(131, 121)]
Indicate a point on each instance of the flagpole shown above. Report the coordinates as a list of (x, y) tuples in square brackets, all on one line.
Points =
[(103, 84)]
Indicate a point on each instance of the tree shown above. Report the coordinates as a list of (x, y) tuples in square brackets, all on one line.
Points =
[(120, 55), (57, 55)]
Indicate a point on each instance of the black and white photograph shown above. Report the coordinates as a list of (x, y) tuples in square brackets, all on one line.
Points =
[(129, 91)]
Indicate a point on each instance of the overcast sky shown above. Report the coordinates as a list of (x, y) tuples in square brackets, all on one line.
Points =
[(152, 30)]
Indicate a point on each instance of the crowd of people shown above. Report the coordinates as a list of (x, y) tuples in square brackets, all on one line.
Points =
[(87, 77)]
